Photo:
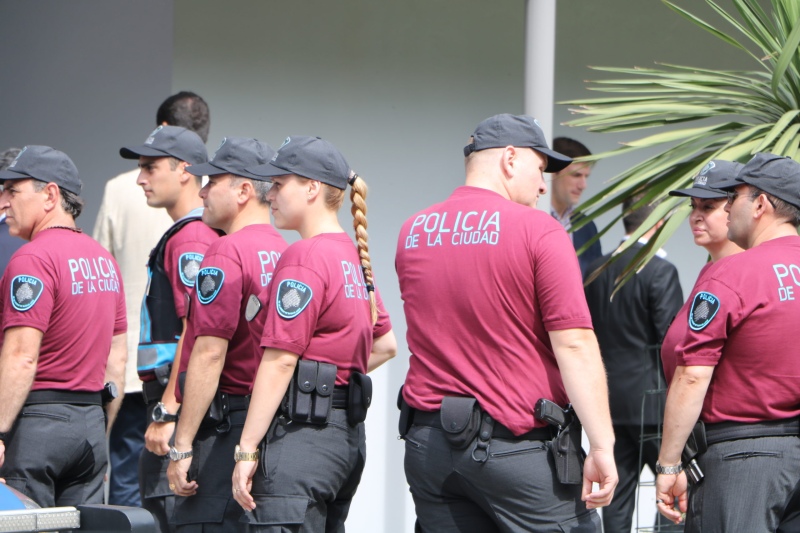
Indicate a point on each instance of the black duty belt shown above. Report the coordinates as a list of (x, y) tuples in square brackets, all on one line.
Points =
[(433, 419), (725, 431), (152, 391), (64, 397), (340, 393), (238, 403)]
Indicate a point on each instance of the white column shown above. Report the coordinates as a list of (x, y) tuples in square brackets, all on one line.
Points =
[(540, 55)]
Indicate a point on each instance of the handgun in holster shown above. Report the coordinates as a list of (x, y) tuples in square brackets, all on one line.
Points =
[(695, 445), (568, 455)]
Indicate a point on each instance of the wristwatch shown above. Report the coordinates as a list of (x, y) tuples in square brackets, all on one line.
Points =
[(160, 414), (175, 455), (674, 469), (239, 455)]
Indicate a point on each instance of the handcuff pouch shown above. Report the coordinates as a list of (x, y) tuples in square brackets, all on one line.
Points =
[(460, 419)]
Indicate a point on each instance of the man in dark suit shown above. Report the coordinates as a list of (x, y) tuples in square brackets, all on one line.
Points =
[(566, 188), (8, 244), (629, 330)]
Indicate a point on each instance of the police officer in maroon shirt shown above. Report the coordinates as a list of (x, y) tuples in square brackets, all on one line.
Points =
[(737, 368), (497, 320), (220, 355), (64, 335)]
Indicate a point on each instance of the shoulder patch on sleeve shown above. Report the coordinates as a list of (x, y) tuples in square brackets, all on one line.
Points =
[(209, 282), (189, 266), (293, 297), (704, 308), (25, 291)]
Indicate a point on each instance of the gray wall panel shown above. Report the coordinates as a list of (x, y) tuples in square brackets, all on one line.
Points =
[(85, 77)]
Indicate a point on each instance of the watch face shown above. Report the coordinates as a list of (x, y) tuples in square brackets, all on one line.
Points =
[(158, 413)]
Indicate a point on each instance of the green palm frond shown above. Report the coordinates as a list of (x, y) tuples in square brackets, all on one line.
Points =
[(740, 113)]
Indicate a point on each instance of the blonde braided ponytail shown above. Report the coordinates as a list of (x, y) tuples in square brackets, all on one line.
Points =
[(358, 195)]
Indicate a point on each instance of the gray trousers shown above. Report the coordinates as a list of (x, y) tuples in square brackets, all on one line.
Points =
[(750, 485), (307, 476), (56, 454), (212, 509), (515, 490)]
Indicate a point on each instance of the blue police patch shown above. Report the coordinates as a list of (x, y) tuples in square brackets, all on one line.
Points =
[(209, 282), (189, 266), (704, 308), (293, 297), (25, 291)]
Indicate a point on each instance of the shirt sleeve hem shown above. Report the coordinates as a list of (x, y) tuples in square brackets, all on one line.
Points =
[(214, 332), (280, 345), (557, 325), (697, 361), (383, 330)]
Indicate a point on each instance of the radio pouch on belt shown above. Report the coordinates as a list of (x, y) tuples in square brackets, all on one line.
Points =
[(568, 453), (359, 398), (310, 395), (460, 419)]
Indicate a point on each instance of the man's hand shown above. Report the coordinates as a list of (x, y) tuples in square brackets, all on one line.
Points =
[(2, 453), (599, 468), (670, 487), (178, 473), (156, 439)]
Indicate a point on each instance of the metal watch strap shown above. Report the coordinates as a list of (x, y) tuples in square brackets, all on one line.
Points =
[(239, 455), (670, 470), (175, 455)]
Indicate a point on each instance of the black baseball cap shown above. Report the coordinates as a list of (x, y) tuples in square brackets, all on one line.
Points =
[(773, 174), (170, 141), (707, 181), (504, 130), (44, 164), (233, 156), (311, 157)]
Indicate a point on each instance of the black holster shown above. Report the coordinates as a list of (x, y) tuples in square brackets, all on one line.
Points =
[(217, 414), (406, 414), (565, 448), (359, 398), (695, 445), (309, 398), (461, 419)]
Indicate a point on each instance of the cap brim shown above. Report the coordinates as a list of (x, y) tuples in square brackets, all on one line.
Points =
[(555, 161), (205, 169), (267, 170), (697, 192), (7, 174), (135, 152)]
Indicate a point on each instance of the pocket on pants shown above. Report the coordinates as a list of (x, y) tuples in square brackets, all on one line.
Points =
[(588, 522), (277, 511)]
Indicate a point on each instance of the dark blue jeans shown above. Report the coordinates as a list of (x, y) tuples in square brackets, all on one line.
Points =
[(125, 445)]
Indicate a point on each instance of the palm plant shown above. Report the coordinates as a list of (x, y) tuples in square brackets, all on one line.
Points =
[(736, 114)]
